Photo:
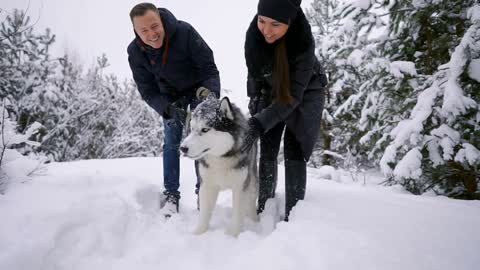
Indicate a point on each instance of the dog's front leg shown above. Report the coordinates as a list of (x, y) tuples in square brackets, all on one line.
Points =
[(208, 198), (238, 197), (251, 203)]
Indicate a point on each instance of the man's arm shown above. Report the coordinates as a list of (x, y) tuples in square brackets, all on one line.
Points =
[(204, 63), (147, 86)]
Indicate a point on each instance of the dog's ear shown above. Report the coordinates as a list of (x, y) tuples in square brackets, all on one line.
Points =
[(226, 108)]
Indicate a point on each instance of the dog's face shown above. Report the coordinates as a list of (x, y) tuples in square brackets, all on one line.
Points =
[(209, 128)]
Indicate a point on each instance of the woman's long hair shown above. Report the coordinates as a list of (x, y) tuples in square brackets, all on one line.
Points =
[(280, 73)]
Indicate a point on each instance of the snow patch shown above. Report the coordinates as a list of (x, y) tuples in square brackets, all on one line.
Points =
[(398, 68), (474, 69), (419, 3), (449, 138), (468, 153), (434, 152), (474, 13), (355, 58), (410, 165), (97, 215), (363, 4), (329, 172), (454, 102)]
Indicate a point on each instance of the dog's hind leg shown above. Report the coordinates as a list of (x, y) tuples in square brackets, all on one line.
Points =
[(208, 198)]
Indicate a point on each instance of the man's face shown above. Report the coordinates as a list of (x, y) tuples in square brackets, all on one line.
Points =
[(150, 29)]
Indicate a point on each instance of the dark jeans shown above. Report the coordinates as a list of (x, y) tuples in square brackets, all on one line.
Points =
[(171, 156), (270, 144)]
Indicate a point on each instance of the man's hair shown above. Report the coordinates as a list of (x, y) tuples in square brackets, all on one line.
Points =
[(141, 9)]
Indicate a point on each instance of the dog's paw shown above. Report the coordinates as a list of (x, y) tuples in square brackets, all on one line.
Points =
[(200, 230), (232, 231), (254, 217)]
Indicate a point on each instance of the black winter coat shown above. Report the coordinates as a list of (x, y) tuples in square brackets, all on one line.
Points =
[(177, 69), (307, 81)]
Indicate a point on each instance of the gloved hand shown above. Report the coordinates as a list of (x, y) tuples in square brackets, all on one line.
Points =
[(181, 102), (258, 103), (252, 105), (202, 93), (176, 113), (254, 131)]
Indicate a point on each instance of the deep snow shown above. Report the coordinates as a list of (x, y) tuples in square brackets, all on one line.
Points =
[(103, 214)]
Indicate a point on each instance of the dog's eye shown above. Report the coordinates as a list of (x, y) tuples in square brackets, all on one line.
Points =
[(205, 130)]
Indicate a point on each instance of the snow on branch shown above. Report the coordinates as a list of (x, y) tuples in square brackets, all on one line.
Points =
[(411, 133), (454, 102)]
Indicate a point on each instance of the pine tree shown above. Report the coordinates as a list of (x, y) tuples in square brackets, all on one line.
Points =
[(27, 72), (322, 20), (139, 131), (349, 54), (405, 89), (13, 166), (114, 121), (61, 139), (81, 116), (436, 147)]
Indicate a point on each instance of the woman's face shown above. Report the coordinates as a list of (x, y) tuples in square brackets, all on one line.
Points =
[(271, 29)]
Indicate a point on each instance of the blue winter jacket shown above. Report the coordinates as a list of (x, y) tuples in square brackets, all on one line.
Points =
[(177, 69)]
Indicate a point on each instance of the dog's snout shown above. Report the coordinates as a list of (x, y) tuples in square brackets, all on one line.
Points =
[(184, 149)]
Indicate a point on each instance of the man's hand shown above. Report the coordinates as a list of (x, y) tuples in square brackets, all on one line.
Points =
[(254, 131), (177, 113)]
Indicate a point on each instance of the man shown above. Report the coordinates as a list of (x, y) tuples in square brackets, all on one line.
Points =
[(171, 65)]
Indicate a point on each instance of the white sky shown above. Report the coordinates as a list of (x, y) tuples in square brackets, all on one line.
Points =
[(89, 28)]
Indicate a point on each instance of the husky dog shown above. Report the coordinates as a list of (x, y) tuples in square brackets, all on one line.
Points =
[(217, 129)]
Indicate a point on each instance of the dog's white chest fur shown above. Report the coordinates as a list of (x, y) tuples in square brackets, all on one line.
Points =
[(218, 174), (221, 172)]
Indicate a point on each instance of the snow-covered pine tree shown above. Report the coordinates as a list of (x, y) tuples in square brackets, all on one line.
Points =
[(349, 54), (139, 131), (62, 137), (96, 126), (13, 166), (27, 75), (114, 121), (437, 146), (320, 16), (81, 116)]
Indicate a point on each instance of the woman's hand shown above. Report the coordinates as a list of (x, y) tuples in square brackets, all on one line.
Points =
[(252, 105), (254, 131)]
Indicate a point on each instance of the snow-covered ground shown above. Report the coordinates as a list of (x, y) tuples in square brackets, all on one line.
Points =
[(102, 214)]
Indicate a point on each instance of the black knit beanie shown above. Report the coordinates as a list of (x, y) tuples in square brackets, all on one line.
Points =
[(283, 11)]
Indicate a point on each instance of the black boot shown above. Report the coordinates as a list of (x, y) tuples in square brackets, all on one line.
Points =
[(172, 200), (295, 182), (268, 182)]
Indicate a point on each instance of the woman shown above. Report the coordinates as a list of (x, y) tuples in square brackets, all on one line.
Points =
[(286, 89)]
